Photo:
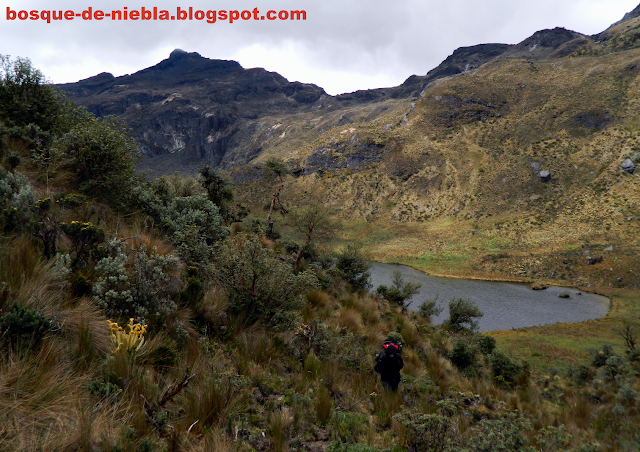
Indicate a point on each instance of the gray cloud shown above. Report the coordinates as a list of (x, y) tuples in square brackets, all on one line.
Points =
[(342, 46)]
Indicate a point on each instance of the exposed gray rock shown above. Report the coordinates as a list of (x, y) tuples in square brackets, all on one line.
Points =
[(545, 176), (609, 248), (535, 166), (338, 155), (387, 127), (628, 166), (344, 120)]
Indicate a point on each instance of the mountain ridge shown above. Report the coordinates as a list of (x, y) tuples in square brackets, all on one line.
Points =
[(188, 110)]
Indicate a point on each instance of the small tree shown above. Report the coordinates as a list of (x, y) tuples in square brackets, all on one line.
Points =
[(220, 194), (103, 156), (26, 97), (430, 307), (463, 314), (277, 168), (314, 222), (401, 292), (352, 266)]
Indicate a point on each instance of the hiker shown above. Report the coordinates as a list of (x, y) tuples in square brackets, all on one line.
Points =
[(389, 365)]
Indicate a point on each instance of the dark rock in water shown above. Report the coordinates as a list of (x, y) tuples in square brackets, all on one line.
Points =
[(538, 286), (545, 176), (628, 166), (564, 295), (594, 260)]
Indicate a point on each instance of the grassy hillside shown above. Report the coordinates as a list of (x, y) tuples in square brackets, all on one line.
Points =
[(218, 344)]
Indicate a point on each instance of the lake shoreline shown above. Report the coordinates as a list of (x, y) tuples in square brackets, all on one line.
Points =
[(505, 280), (506, 304)]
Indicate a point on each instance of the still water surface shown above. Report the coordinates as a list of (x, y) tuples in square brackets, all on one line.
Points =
[(505, 305)]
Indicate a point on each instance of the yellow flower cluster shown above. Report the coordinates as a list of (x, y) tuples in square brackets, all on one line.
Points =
[(126, 341)]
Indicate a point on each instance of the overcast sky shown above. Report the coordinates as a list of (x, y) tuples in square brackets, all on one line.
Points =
[(343, 45)]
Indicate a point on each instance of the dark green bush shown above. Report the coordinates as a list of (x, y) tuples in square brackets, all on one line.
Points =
[(26, 97), (503, 366), (80, 285), (600, 357), (425, 432), (463, 354), (352, 266), (23, 327), (486, 343), (85, 238), (579, 374), (103, 157)]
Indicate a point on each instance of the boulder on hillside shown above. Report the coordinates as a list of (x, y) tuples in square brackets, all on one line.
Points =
[(545, 176), (594, 260), (628, 166)]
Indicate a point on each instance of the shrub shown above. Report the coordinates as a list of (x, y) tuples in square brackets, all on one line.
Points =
[(463, 354), (462, 315), (103, 157), (352, 267), (614, 366), (486, 343), (425, 432), (193, 221), (136, 286), (579, 374), (599, 357), (400, 292), (430, 308), (26, 97), (258, 284), (501, 435), (22, 326), (627, 395), (16, 199), (84, 237), (503, 366)]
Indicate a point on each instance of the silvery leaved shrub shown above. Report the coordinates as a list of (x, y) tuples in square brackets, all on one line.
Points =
[(136, 284)]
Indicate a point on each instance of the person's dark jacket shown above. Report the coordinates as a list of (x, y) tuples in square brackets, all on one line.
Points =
[(389, 368)]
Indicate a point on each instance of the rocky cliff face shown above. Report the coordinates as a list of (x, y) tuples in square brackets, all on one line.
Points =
[(191, 105)]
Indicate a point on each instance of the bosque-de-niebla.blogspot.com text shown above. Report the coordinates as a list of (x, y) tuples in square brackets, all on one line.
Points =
[(154, 13)]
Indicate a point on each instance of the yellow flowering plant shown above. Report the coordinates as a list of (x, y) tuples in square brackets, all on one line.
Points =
[(127, 341)]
